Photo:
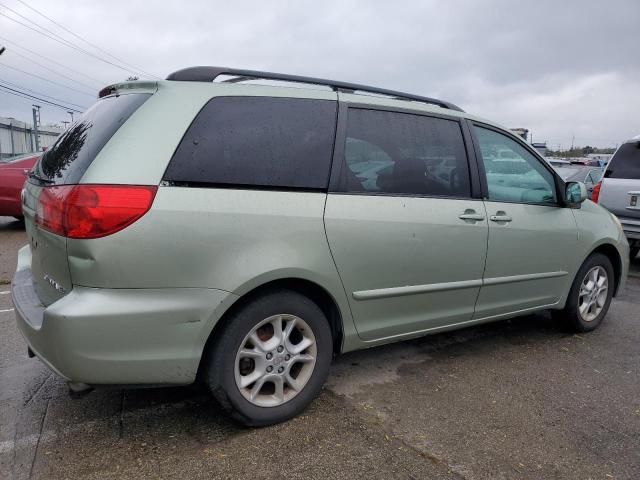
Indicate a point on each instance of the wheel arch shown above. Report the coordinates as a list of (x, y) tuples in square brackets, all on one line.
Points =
[(612, 253), (312, 290)]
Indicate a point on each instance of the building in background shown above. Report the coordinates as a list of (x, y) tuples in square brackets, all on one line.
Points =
[(521, 132), (18, 137), (540, 147)]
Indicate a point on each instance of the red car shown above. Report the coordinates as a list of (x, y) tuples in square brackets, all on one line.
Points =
[(13, 173)]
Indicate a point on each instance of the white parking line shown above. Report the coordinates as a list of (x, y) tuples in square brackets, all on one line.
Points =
[(6, 310), (26, 442), (5, 292)]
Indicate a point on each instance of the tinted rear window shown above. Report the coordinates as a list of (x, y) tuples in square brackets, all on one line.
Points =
[(401, 153), (67, 160), (626, 162), (258, 142)]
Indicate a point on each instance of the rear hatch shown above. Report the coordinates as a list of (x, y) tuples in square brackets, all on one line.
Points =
[(620, 189), (64, 164)]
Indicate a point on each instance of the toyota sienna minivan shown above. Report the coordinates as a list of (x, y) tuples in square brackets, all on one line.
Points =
[(244, 227)]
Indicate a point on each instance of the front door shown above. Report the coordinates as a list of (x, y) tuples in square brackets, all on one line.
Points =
[(532, 240), (408, 240)]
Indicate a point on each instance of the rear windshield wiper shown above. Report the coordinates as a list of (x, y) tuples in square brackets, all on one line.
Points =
[(40, 179)]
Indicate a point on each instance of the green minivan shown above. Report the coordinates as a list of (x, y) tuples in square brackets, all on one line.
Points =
[(244, 227)]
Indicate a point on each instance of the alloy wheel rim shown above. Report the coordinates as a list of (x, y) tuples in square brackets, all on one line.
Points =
[(275, 360), (593, 293)]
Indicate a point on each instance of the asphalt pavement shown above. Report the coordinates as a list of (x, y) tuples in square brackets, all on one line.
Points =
[(513, 399)]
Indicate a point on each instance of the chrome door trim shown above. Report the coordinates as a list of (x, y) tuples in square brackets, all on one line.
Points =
[(523, 278), (415, 289), (445, 286)]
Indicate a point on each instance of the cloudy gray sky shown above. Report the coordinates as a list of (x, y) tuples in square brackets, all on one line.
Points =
[(560, 68)]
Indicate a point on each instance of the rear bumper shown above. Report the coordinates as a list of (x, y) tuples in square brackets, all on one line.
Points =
[(118, 336), (631, 228)]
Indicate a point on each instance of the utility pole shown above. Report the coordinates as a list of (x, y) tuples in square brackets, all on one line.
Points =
[(70, 113), (573, 139), (36, 125), (65, 123)]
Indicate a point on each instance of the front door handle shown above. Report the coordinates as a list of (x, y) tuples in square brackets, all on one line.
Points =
[(470, 214), (500, 217)]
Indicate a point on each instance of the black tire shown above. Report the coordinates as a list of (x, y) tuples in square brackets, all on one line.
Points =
[(570, 315), (633, 252), (220, 373)]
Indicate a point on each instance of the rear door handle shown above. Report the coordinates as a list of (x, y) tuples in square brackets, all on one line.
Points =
[(471, 214), (500, 218)]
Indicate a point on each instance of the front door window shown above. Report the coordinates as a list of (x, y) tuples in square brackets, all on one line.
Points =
[(513, 174)]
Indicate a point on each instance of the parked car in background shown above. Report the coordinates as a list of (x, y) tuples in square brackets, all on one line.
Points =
[(13, 173), (619, 190), (588, 175), (269, 228), (557, 162)]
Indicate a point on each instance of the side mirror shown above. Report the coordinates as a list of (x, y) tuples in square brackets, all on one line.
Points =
[(575, 193)]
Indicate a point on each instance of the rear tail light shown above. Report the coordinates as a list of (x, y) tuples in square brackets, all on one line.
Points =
[(92, 211), (595, 193)]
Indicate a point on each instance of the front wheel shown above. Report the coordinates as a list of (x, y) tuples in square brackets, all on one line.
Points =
[(271, 358), (590, 294)]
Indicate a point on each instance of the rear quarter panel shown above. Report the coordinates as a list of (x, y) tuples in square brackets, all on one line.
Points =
[(232, 240), (226, 239)]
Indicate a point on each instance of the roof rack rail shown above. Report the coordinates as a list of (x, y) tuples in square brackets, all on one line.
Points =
[(209, 74)]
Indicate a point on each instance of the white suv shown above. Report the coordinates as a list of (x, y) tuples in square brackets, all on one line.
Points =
[(619, 190)]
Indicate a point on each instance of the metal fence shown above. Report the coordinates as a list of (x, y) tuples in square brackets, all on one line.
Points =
[(18, 137)]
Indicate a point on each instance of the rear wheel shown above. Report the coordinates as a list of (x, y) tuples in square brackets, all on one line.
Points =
[(590, 294), (271, 358)]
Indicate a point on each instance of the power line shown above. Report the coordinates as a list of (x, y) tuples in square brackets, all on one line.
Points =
[(37, 25), (53, 71), (47, 80), (85, 40), (17, 93), (67, 44), (31, 21), (42, 29), (40, 94), (15, 45)]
